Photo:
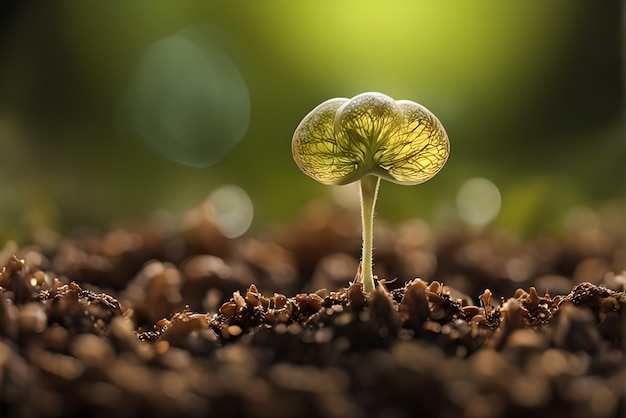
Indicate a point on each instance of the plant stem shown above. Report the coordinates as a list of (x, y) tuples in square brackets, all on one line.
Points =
[(369, 191)]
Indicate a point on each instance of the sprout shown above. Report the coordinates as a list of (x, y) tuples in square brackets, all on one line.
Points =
[(366, 138)]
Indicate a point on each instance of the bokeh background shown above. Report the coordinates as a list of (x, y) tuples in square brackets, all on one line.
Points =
[(114, 110)]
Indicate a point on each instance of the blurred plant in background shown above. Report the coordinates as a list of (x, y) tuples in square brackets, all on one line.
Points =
[(113, 110)]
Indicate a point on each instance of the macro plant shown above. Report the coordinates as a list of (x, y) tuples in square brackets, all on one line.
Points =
[(366, 138)]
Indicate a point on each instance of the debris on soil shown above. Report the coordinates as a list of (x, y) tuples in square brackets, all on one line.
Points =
[(144, 321)]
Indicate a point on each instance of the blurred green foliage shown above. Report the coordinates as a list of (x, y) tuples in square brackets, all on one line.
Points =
[(530, 93)]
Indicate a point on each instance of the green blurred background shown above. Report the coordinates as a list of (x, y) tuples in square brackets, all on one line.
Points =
[(530, 93)]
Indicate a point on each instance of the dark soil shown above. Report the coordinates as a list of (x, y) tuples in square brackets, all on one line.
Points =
[(157, 319)]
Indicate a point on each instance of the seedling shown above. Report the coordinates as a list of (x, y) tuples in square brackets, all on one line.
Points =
[(366, 138)]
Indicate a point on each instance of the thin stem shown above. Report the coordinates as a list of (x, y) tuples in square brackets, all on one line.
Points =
[(369, 191)]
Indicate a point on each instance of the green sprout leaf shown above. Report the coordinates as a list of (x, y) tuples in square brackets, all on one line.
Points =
[(343, 140), (366, 138)]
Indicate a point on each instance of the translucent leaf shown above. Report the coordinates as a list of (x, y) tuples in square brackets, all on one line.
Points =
[(419, 150), (342, 140), (315, 149), (365, 122)]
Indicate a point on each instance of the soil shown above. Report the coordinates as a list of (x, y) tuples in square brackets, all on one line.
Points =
[(175, 320)]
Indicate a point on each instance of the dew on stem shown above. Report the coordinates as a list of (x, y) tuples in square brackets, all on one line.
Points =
[(366, 138)]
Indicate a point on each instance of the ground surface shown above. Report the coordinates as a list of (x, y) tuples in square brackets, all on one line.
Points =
[(168, 319)]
